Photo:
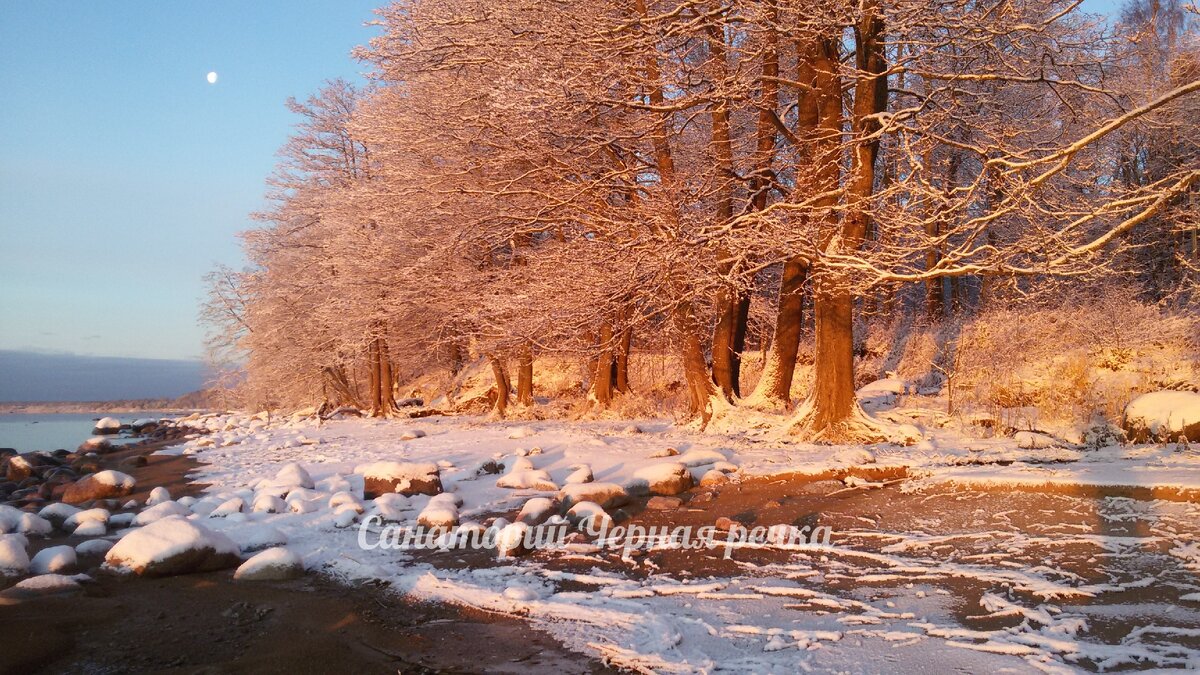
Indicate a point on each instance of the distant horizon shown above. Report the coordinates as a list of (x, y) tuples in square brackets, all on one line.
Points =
[(50, 377)]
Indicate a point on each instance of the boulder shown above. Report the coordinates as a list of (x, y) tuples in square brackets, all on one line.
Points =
[(412, 434), (404, 478), (658, 503), (532, 479), (97, 444), (273, 564), (713, 478), (1163, 416), (172, 545), (157, 496), (582, 474), (53, 560), (293, 475), (589, 515), (159, 512), (607, 495), (107, 425), (19, 469), (536, 511), (41, 586), (668, 478), (102, 485), (14, 561), (440, 513)]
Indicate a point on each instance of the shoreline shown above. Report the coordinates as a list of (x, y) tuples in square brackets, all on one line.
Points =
[(117, 624)]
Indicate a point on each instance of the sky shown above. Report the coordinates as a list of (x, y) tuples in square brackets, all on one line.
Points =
[(124, 175)]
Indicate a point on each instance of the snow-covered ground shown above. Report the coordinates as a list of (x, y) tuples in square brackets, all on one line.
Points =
[(1069, 589)]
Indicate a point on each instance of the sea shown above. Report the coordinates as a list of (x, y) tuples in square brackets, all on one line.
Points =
[(27, 432)]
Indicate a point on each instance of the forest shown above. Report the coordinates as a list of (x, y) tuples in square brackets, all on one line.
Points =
[(734, 212)]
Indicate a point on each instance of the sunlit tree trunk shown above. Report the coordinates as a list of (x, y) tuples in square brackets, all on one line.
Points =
[(525, 376), (503, 387)]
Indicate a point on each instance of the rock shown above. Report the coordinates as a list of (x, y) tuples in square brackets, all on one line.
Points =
[(527, 480), (89, 516), (293, 475), (58, 514), (665, 452), (520, 432), (607, 495), (660, 503), (341, 500), (522, 463), (91, 529), (412, 434), (107, 425), (102, 485), (713, 478), (53, 560), (158, 495), (31, 524), (268, 503), (403, 478), (41, 586), (273, 564), (93, 548), (160, 511), (853, 456), (227, 507), (669, 478), (1163, 415), (725, 524), (510, 541), (440, 513), (14, 561), (172, 545), (582, 474), (536, 511), (19, 468), (633, 429), (489, 468), (700, 457), (589, 516), (391, 507), (97, 444)]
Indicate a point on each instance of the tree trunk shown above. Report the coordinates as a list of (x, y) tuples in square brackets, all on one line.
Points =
[(373, 378), (525, 376), (775, 384), (621, 363), (831, 412), (500, 373), (602, 372), (387, 394), (700, 387)]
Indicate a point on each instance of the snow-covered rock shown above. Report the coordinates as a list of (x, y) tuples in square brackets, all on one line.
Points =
[(269, 503), (667, 478), (42, 585), (1164, 415), (537, 510), (520, 432), (510, 541), (273, 564), (582, 474), (172, 545), (158, 495), (293, 475), (107, 425), (102, 485), (34, 525), (406, 478), (14, 560), (699, 457), (853, 456), (160, 511), (90, 515), (607, 495), (343, 499), (58, 513), (227, 507), (665, 452), (534, 479), (412, 434), (392, 507), (588, 515), (95, 548), (712, 478), (440, 512), (881, 392), (53, 560)]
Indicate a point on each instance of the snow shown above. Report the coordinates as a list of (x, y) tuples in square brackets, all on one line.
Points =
[(1164, 411), (14, 561), (873, 595), (269, 563), (46, 584), (159, 511), (114, 478), (163, 539), (53, 560), (78, 518), (157, 496)]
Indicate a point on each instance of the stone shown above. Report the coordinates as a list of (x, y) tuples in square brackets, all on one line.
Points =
[(1163, 416), (665, 452), (19, 469), (403, 478), (102, 485), (273, 564), (607, 495), (669, 478), (170, 546), (660, 503), (536, 511), (412, 434), (713, 477), (582, 474), (53, 560)]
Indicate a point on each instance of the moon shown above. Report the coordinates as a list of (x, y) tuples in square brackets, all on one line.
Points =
[(212, 77)]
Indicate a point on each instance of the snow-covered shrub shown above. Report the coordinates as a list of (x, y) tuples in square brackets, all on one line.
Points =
[(1074, 360)]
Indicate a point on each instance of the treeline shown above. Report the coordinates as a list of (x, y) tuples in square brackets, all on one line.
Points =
[(535, 178)]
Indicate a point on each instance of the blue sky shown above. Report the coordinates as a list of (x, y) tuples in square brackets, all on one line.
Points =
[(124, 175)]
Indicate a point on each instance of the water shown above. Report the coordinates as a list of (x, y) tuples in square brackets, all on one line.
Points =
[(51, 431)]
